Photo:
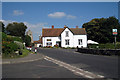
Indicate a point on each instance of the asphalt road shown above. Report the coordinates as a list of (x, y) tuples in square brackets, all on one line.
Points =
[(97, 64), (36, 69)]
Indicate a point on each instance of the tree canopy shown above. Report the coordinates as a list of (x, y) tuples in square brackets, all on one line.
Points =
[(100, 30), (2, 26), (27, 40), (16, 29)]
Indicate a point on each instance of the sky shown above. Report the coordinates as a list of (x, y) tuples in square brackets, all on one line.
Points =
[(38, 15)]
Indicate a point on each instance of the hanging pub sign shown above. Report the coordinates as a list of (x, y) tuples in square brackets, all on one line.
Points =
[(114, 31)]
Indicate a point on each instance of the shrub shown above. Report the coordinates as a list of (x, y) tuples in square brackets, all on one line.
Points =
[(56, 46), (105, 46), (92, 45), (9, 47), (118, 45), (14, 38), (27, 40), (17, 39), (4, 36), (20, 45)]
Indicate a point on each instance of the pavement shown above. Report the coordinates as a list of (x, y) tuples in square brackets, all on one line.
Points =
[(29, 58)]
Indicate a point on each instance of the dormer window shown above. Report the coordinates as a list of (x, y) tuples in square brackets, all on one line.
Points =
[(67, 33)]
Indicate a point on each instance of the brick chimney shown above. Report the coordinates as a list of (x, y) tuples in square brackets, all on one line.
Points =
[(65, 26), (76, 26), (52, 26)]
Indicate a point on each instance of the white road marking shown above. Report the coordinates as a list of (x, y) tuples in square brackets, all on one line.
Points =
[(74, 69)]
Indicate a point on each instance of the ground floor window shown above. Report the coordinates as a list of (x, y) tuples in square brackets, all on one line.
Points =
[(67, 42), (49, 43), (80, 42)]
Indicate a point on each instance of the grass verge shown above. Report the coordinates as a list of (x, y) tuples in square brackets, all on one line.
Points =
[(25, 52)]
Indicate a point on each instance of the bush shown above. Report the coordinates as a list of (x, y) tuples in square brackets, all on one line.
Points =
[(9, 47), (56, 46), (13, 38), (19, 44), (118, 45), (92, 45), (105, 46), (4, 36), (27, 40), (17, 39)]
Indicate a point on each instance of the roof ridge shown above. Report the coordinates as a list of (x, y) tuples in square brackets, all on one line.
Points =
[(52, 28)]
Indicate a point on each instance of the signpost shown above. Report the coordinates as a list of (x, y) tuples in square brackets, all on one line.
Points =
[(115, 33)]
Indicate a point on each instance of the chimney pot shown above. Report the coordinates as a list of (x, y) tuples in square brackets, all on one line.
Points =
[(76, 26), (65, 26), (52, 26)]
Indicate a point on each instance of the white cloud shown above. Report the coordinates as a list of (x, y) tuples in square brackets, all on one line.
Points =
[(71, 17), (57, 15), (61, 15), (17, 12), (32, 26)]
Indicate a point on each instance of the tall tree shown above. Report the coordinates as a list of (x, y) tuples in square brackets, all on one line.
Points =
[(27, 40), (2, 26), (16, 29), (100, 30)]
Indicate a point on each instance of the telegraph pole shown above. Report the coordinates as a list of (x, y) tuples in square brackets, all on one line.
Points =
[(115, 41)]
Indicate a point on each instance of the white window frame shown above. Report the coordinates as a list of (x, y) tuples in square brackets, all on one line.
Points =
[(80, 41), (48, 43), (67, 42), (67, 33)]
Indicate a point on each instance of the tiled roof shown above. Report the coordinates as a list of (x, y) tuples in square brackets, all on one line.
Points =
[(78, 31), (52, 32), (55, 32)]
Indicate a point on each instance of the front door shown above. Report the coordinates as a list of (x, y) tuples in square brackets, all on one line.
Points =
[(58, 43)]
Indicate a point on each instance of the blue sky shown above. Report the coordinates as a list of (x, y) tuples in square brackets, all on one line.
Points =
[(37, 15)]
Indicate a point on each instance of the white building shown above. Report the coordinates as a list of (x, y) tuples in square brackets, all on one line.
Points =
[(64, 37)]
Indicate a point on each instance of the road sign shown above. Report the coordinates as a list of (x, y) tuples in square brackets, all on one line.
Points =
[(114, 31)]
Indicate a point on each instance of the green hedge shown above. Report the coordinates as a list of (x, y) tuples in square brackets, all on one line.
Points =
[(6, 37), (105, 46)]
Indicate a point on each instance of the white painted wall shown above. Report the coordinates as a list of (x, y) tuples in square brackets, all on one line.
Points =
[(73, 39), (53, 40), (38, 45), (63, 38), (84, 40)]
